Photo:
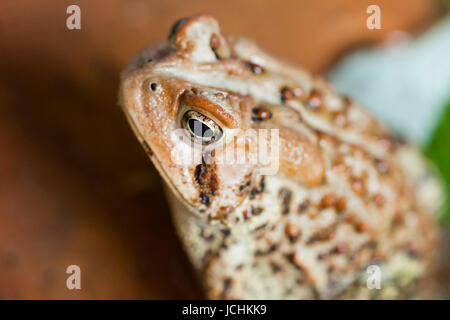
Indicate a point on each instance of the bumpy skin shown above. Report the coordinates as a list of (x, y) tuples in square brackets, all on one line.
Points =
[(347, 194)]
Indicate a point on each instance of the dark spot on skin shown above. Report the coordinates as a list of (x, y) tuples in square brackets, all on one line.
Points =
[(252, 211), (322, 235), (350, 218), (303, 206), (176, 26), (275, 267), (200, 170), (322, 256), (400, 140), (244, 189), (292, 259), (262, 185), (223, 245), (413, 254), (215, 44), (288, 94), (226, 287), (352, 257), (207, 236), (257, 211), (271, 249), (204, 199), (315, 100), (341, 204), (210, 255), (239, 267), (347, 101), (206, 178), (259, 189), (389, 142), (153, 86), (288, 291), (149, 60), (361, 227), (328, 201), (398, 220), (244, 186), (260, 227), (339, 249), (225, 232), (261, 113), (255, 69), (372, 245), (213, 186), (285, 198), (411, 251)]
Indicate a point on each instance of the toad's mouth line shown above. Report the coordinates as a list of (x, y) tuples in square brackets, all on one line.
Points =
[(156, 162)]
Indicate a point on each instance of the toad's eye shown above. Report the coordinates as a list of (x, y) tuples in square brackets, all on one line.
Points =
[(201, 128)]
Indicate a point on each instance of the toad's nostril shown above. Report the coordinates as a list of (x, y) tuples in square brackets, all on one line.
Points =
[(215, 44)]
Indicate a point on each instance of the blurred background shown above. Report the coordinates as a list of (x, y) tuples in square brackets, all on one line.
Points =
[(75, 185)]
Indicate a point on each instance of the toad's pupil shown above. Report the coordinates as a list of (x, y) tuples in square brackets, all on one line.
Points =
[(200, 129)]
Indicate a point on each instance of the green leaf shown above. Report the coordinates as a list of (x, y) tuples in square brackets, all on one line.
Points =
[(438, 150)]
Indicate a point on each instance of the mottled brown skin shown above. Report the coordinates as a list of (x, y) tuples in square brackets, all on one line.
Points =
[(346, 194)]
